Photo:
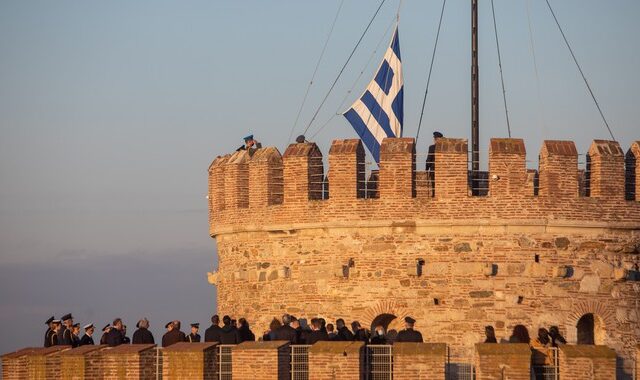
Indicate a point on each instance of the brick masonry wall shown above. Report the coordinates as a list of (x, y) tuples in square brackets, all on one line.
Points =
[(587, 362), (130, 361), (184, 361), (261, 360), (479, 253), (14, 364), (503, 361), (83, 362), (419, 361), (336, 360), (45, 363)]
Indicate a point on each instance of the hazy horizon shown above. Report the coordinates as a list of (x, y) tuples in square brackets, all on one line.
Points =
[(112, 111)]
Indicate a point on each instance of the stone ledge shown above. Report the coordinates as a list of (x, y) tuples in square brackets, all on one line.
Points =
[(324, 347), (48, 351), (587, 351), (507, 146), (20, 352), (503, 349), (190, 347), (83, 350), (270, 345), (128, 349), (426, 349)]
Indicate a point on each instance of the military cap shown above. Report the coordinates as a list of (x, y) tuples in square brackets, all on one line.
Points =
[(437, 134), (55, 321), (76, 325), (106, 327), (196, 325), (50, 320), (248, 138), (87, 327), (167, 325), (409, 319), (66, 317), (301, 139)]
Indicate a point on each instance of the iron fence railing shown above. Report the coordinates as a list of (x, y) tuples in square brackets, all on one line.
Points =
[(459, 367), (224, 361), (550, 370), (300, 362), (379, 362)]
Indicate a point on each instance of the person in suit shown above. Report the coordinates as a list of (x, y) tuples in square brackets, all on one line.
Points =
[(87, 338), (359, 333), (125, 338), (343, 333), (115, 336), (379, 335), (105, 333), (173, 334), (49, 332), (142, 335), (317, 334), (244, 331), (212, 334), (409, 334), (194, 337), (228, 333), (75, 335), (286, 332)]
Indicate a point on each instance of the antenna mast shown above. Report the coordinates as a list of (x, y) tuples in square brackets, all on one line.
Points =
[(475, 99)]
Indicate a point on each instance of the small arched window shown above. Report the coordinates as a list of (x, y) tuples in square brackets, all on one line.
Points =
[(586, 329)]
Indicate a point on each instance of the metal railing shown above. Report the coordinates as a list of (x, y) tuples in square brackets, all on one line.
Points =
[(300, 362), (550, 370), (459, 368), (379, 362), (159, 358), (224, 361)]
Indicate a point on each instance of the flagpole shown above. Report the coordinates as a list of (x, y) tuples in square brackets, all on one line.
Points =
[(475, 99)]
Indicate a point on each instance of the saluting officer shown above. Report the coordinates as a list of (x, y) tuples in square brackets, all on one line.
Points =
[(194, 337), (65, 335), (87, 338), (105, 332), (47, 335), (409, 334)]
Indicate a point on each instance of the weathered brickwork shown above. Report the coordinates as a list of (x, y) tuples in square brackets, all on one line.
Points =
[(503, 361), (419, 361), (587, 362), (453, 261), (129, 361), (261, 360), (185, 361), (14, 364), (45, 363), (336, 360), (84, 362)]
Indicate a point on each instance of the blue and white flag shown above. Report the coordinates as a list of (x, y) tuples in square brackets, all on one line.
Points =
[(378, 112)]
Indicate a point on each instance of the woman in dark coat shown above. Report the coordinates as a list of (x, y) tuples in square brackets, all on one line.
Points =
[(244, 332)]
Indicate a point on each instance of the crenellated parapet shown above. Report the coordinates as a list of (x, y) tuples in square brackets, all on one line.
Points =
[(261, 187)]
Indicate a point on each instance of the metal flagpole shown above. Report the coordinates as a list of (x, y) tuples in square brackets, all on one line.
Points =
[(475, 99)]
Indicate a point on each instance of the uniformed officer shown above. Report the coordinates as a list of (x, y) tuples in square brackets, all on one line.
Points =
[(431, 154), (194, 337), (87, 338), (75, 335), (249, 143), (409, 334), (65, 335), (47, 335), (56, 326)]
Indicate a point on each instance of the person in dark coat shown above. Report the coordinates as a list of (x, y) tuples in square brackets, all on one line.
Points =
[(75, 335), (317, 334), (105, 332), (556, 338), (87, 338), (114, 337), (172, 336), (431, 154), (271, 333), (228, 333), (245, 333), (409, 334), (286, 332), (142, 335), (359, 333), (56, 330), (490, 334), (182, 336), (49, 332), (212, 334), (331, 332), (343, 333), (194, 337), (65, 335), (379, 335)]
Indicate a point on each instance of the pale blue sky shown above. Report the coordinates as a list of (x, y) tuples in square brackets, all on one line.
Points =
[(111, 111)]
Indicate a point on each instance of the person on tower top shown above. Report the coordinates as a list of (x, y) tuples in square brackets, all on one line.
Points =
[(431, 154), (409, 334), (249, 144)]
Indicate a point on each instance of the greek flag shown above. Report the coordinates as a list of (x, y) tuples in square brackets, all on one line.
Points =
[(378, 112)]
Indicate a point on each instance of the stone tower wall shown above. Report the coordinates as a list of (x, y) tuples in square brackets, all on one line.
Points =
[(289, 241)]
